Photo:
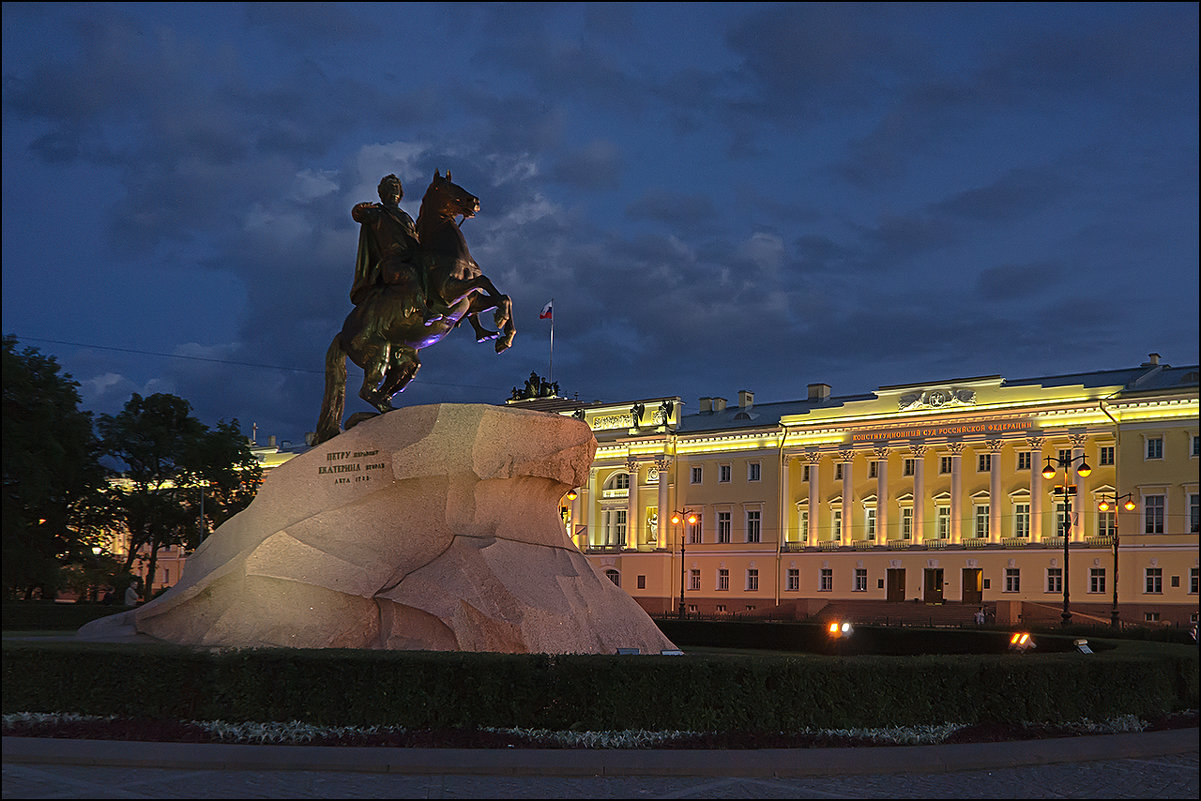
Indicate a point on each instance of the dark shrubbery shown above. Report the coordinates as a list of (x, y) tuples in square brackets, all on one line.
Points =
[(51, 616)]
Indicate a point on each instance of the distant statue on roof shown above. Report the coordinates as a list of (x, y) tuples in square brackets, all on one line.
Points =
[(413, 284)]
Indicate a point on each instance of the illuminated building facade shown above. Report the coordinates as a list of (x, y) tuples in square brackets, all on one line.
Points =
[(928, 492)]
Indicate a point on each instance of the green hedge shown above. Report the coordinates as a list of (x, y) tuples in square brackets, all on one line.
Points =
[(421, 690), (51, 616)]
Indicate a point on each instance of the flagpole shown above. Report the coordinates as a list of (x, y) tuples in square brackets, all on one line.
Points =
[(550, 377)]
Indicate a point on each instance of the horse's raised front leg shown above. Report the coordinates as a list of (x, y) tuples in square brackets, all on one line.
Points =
[(504, 321)]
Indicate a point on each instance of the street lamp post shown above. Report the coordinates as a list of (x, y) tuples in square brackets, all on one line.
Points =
[(681, 516), (1049, 472), (1105, 505)]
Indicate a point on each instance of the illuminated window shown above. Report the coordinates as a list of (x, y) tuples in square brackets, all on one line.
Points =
[(1096, 579), (836, 523), (723, 526), (1054, 579), (860, 579), (981, 520), (1013, 579), (1153, 514), (613, 523), (1107, 523), (870, 522), (1021, 520), (804, 524), (906, 522), (1106, 455), (827, 580), (752, 580), (753, 526), (943, 520), (723, 579), (794, 580), (1024, 460), (1153, 580)]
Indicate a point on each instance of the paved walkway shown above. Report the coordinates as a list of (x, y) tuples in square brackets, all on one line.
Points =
[(1150, 765)]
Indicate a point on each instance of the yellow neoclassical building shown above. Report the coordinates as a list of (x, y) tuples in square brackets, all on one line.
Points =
[(932, 492)]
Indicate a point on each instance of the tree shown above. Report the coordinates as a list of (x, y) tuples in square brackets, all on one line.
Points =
[(52, 472), (173, 464)]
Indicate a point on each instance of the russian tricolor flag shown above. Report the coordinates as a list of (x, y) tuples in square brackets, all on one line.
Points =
[(547, 311)]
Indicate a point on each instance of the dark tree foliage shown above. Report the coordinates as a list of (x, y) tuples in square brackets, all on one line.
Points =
[(52, 473), (170, 461)]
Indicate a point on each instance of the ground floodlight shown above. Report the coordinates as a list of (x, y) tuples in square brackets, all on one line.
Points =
[(834, 629), (1082, 646), (1021, 641), (846, 628)]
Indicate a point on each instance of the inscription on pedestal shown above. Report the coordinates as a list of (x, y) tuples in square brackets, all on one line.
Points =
[(352, 467)]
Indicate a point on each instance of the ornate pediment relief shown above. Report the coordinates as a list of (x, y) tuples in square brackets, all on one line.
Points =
[(937, 398)]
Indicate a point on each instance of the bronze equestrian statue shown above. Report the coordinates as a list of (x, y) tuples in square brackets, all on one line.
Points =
[(413, 284)]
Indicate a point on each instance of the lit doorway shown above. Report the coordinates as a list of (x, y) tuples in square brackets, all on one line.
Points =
[(973, 585), (933, 590)]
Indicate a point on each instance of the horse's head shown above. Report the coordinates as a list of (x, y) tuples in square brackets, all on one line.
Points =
[(447, 199)]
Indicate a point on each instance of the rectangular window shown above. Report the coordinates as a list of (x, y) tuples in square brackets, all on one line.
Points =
[(723, 579), (907, 467), (1054, 579), (1153, 511), (1106, 456), (804, 524), (615, 527), (1192, 580), (981, 520), (1021, 520), (1024, 460), (944, 522), (1154, 447), (752, 471), (1154, 580), (860, 579), (1013, 579), (838, 471), (1096, 579), (721, 609), (1107, 523), (1194, 513), (870, 522), (805, 473), (1150, 617), (873, 470), (752, 580), (836, 523), (696, 475), (642, 582), (753, 526), (723, 526), (907, 522), (944, 465), (723, 474), (984, 463), (1196, 445), (827, 580), (1061, 516), (1065, 456), (694, 532), (794, 579), (694, 579)]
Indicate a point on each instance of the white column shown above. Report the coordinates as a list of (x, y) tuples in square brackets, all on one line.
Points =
[(882, 496), (786, 507), (632, 505), (919, 492), (847, 490), (664, 465), (956, 449), (1036, 488), (814, 462), (1079, 507), (588, 504), (994, 491)]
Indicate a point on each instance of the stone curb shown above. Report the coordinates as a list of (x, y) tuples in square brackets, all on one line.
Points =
[(773, 762)]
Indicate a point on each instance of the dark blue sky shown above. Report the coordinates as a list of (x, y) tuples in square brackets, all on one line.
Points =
[(718, 197)]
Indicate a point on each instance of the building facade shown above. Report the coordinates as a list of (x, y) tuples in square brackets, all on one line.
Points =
[(931, 492)]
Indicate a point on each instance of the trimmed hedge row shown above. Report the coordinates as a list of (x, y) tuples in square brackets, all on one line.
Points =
[(51, 616), (420, 690)]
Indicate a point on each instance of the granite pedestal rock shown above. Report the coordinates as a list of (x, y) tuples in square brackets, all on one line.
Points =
[(430, 527)]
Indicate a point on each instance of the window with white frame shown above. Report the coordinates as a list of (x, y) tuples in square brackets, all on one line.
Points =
[(696, 475), (860, 579), (613, 576), (754, 525), (1195, 449), (721, 609), (906, 522), (694, 579), (1105, 457), (873, 469), (942, 519), (804, 523), (753, 471), (1054, 579), (869, 522), (613, 525), (1107, 523), (981, 520), (794, 579), (1153, 514), (724, 526), (1021, 519), (1096, 579), (826, 580), (1154, 447), (1192, 580), (694, 531), (1194, 513), (1153, 580), (984, 463), (944, 465), (1024, 460), (723, 473), (1013, 579), (620, 481), (752, 580), (723, 579), (836, 523), (907, 467), (1061, 515)]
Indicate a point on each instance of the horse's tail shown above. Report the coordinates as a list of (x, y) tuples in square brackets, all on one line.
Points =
[(329, 425)]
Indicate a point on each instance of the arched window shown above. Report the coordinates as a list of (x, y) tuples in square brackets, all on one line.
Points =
[(619, 481), (613, 576)]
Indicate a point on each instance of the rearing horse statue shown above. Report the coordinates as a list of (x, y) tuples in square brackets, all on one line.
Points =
[(387, 329)]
